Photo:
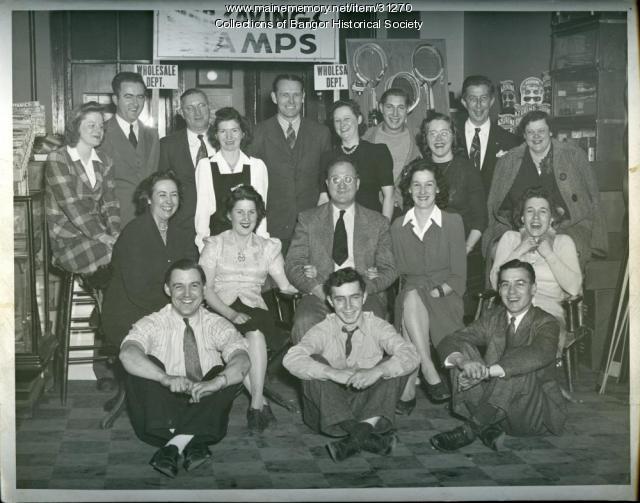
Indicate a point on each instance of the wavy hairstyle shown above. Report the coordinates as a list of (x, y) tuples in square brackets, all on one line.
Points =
[(144, 191), (72, 129), (230, 114), (421, 137), (246, 193), (442, 197), (542, 193)]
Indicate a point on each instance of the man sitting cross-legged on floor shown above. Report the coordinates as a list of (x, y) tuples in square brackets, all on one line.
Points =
[(512, 387), (179, 394), (353, 367)]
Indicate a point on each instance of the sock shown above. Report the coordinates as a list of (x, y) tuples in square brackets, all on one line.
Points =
[(180, 441), (484, 415)]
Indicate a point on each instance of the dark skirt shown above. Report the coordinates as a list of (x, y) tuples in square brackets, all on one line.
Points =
[(261, 320)]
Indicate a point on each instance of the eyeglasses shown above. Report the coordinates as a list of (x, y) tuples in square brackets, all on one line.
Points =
[(337, 180), (200, 107), (445, 133), (473, 100), (520, 284)]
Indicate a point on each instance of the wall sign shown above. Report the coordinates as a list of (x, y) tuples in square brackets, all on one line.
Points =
[(261, 35), (159, 76), (330, 77)]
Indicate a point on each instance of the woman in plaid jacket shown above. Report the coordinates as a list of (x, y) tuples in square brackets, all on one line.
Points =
[(83, 214)]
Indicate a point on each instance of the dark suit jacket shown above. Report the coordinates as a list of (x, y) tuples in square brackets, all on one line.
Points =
[(293, 174), (313, 243), (140, 260), (175, 155), (130, 166), (534, 350), (499, 140)]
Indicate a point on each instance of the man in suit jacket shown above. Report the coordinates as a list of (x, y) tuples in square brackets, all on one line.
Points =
[(511, 387), (478, 96), (181, 151), (333, 236), (133, 146), (290, 146)]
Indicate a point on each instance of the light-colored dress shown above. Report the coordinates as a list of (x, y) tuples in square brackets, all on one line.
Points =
[(549, 294)]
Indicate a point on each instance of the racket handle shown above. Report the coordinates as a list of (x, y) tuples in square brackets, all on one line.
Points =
[(432, 101), (427, 104)]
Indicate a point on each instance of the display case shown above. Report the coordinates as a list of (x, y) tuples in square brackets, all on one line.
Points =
[(35, 342)]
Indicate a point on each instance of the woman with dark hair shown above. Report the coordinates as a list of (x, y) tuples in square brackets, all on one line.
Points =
[(372, 160), (237, 262), (83, 214), (552, 255), (437, 140), (227, 168), (428, 245), (148, 245), (563, 170)]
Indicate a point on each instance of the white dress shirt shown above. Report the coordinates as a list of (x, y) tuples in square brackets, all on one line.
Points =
[(349, 222), (126, 127), (194, 145), (469, 133), (88, 167), (435, 218)]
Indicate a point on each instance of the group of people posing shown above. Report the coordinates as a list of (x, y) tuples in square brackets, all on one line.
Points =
[(385, 238)]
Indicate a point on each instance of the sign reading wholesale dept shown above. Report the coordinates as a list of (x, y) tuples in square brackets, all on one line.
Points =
[(260, 35)]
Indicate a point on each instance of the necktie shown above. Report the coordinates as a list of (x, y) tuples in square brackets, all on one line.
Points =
[(340, 250), (132, 137), (511, 331), (291, 136), (202, 151), (347, 344), (474, 152), (191, 358)]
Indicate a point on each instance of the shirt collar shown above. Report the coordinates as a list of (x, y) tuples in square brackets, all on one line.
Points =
[(471, 128), (193, 137), (436, 216), (518, 317), (75, 155), (284, 122), (242, 159), (349, 211), (126, 126)]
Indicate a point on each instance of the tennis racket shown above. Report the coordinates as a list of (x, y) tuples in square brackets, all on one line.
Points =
[(408, 83), (428, 68), (370, 65)]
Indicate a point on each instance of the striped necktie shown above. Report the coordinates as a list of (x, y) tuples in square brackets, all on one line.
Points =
[(202, 151), (291, 136)]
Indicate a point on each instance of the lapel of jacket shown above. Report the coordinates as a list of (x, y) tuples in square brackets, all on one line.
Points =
[(79, 171), (360, 230), (523, 333), (498, 341), (184, 154), (276, 136), (119, 140)]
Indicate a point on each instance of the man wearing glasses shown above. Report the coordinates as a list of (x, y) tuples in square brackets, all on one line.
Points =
[(485, 141), (511, 387), (335, 235)]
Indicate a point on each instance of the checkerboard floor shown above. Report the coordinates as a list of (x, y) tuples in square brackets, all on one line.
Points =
[(64, 448)]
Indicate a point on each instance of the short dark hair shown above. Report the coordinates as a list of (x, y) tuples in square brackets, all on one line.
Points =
[(517, 264), (354, 107), (477, 80), (539, 192), (534, 115), (341, 277), (184, 264), (193, 90), (395, 91), (286, 76), (337, 159), (229, 114), (72, 129), (442, 197), (421, 138), (246, 193), (121, 77), (144, 191)]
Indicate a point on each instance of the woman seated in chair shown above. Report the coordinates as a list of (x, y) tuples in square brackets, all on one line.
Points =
[(237, 263), (144, 251), (83, 214), (553, 256), (429, 247)]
